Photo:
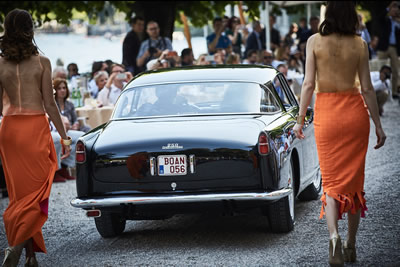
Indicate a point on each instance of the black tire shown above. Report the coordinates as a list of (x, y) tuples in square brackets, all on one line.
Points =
[(281, 212), (313, 191), (110, 224)]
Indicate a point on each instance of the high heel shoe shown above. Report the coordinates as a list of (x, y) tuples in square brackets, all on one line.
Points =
[(349, 252), (335, 252), (12, 256), (31, 262)]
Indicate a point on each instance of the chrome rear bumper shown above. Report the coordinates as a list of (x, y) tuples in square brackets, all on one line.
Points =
[(109, 201)]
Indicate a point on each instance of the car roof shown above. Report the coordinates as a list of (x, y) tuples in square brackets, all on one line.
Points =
[(247, 73)]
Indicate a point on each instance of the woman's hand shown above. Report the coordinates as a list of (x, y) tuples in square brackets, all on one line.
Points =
[(66, 151), (75, 126), (298, 131), (380, 134)]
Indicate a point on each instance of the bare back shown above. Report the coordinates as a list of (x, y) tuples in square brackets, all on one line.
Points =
[(337, 62), (23, 85)]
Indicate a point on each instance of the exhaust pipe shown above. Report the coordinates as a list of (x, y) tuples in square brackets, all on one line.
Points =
[(93, 213)]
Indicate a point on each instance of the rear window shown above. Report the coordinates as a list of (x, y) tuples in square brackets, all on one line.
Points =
[(194, 98)]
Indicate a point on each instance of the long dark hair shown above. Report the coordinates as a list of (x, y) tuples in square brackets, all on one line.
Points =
[(340, 17), (17, 42)]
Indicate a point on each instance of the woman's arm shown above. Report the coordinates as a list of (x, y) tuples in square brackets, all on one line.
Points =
[(308, 87), (369, 95), (1, 100), (48, 98)]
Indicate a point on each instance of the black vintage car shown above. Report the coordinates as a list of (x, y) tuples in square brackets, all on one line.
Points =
[(197, 139)]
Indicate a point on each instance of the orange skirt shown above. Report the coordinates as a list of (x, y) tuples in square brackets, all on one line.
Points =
[(29, 161), (341, 132)]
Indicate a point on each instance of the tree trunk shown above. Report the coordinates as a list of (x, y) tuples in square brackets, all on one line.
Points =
[(163, 12)]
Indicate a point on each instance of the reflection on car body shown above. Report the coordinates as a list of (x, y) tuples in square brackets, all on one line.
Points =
[(198, 139)]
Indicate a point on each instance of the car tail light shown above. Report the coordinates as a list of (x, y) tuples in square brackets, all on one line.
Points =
[(263, 146), (80, 150), (93, 213)]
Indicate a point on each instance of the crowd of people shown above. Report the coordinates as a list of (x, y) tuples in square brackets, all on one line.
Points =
[(230, 43), (46, 99)]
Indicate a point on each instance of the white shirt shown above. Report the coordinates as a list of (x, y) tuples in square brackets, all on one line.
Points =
[(103, 96), (377, 82)]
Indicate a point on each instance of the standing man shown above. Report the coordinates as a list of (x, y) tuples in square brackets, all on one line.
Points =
[(254, 41), (217, 39), (153, 47), (314, 24), (275, 35), (389, 42), (131, 45)]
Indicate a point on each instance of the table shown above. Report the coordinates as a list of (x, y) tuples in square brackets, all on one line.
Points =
[(94, 116)]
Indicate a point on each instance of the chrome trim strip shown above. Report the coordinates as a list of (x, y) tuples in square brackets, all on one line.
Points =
[(191, 163), (110, 201), (152, 165)]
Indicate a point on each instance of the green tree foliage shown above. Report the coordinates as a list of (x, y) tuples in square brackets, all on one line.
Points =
[(199, 12)]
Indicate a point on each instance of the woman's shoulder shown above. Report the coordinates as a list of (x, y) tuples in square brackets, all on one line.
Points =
[(43, 59)]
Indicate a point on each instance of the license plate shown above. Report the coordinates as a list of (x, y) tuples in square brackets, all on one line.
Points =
[(172, 165)]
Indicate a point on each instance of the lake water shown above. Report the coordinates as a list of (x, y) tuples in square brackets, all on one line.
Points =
[(84, 50)]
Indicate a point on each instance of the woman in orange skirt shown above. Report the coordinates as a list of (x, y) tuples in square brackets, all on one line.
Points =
[(26, 147), (336, 64)]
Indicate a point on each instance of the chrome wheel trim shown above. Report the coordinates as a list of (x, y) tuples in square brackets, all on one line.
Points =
[(317, 180), (291, 196)]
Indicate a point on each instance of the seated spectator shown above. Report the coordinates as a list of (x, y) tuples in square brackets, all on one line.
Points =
[(96, 67), (233, 58), (216, 39), (294, 65), (118, 79), (202, 60), (73, 70), (187, 58), (59, 72), (298, 56), (168, 59), (66, 107), (382, 86), (268, 58), (152, 47), (219, 56), (62, 174), (100, 79), (109, 63), (251, 58)]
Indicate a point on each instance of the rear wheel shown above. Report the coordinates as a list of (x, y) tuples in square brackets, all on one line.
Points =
[(313, 191), (281, 212), (110, 224)]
